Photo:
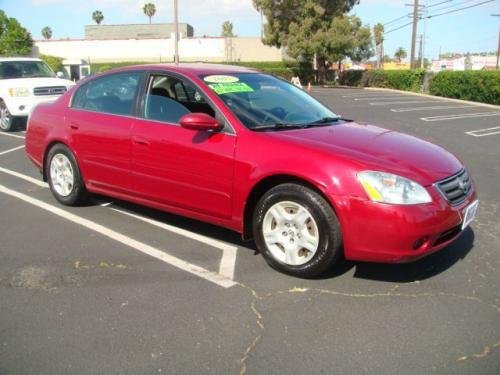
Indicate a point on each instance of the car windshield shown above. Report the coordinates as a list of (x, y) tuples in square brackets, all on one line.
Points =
[(264, 102), (24, 69)]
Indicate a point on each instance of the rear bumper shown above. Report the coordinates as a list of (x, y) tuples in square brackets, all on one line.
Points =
[(386, 233)]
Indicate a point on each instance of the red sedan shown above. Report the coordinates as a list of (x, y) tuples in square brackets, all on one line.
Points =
[(253, 153)]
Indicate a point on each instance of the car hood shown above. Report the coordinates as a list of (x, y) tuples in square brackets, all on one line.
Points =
[(372, 148)]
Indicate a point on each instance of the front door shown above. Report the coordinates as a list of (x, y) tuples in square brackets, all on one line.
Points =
[(177, 167)]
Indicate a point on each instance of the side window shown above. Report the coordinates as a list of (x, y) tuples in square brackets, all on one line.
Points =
[(169, 98), (113, 94)]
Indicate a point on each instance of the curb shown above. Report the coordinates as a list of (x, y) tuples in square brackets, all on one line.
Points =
[(479, 104)]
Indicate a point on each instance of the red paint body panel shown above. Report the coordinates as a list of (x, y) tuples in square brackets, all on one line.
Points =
[(210, 176)]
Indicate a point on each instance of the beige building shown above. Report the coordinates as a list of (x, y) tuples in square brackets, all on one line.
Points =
[(211, 49), (137, 31)]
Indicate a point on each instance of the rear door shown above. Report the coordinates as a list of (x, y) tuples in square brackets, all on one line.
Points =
[(100, 123), (174, 166)]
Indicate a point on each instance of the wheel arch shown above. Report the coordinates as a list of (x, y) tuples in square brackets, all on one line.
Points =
[(47, 150), (264, 185)]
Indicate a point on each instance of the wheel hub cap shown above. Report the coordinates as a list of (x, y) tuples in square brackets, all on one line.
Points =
[(61, 175), (290, 233)]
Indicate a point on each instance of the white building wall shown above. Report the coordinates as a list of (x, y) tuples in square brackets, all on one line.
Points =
[(156, 50)]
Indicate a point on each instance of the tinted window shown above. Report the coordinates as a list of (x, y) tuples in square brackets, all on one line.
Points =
[(24, 69), (111, 94)]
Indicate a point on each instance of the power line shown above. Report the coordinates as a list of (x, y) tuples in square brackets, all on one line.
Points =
[(452, 5), (390, 31), (397, 19), (456, 10), (436, 4)]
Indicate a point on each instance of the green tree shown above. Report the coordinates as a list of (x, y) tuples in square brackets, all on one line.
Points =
[(387, 58), (149, 10), (97, 16), (14, 39), (318, 28), (400, 54), (54, 62), (47, 33), (227, 29)]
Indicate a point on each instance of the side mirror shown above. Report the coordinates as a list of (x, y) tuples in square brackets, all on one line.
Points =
[(200, 121), (60, 75)]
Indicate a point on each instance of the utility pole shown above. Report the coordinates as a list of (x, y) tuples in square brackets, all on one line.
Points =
[(176, 41), (414, 33), (420, 50), (498, 45)]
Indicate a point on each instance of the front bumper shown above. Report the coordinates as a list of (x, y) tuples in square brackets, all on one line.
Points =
[(385, 233), (22, 106)]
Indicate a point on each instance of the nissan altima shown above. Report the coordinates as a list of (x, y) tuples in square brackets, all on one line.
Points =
[(248, 151)]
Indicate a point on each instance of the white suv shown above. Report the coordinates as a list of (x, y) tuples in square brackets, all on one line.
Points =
[(25, 82)]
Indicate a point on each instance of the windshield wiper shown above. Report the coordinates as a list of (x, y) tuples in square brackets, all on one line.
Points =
[(278, 126), (324, 120)]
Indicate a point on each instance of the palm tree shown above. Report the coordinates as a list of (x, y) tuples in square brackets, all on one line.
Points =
[(149, 10), (400, 54), (97, 16), (227, 29), (47, 33)]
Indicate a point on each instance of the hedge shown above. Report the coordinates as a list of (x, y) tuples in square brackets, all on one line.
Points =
[(54, 62), (480, 85), (408, 80)]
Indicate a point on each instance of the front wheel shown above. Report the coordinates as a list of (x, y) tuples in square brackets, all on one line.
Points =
[(297, 231), (6, 119), (64, 176)]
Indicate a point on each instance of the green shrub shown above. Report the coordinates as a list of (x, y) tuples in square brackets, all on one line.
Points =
[(408, 80), (351, 77), (480, 86), (54, 62)]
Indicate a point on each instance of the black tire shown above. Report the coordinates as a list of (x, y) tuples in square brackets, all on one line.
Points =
[(6, 119), (329, 248), (78, 194)]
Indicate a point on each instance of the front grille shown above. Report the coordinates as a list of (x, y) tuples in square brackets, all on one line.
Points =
[(456, 188), (49, 90)]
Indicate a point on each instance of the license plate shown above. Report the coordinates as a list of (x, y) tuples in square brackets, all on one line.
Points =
[(470, 214)]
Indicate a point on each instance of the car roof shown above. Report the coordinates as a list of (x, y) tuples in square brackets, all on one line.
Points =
[(19, 59), (193, 68)]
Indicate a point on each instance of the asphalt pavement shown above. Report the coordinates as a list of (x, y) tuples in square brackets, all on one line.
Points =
[(114, 288)]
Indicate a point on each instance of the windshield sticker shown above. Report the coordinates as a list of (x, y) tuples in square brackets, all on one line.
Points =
[(221, 79), (227, 88)]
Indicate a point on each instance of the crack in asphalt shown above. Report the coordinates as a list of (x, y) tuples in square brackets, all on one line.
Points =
[(487, 350), (259, 318)]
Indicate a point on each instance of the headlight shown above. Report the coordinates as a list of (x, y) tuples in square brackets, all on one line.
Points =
[(390, 188), (19, 91)]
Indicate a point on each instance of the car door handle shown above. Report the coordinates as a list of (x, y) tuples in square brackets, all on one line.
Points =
[(73, 125), (140, 141)]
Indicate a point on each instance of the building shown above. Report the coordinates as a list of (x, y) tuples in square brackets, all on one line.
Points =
[(473, 62), (137, 31)]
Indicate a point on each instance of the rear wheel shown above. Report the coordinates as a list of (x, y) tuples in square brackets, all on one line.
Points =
[(64, 176), (297, 231), (6, 119)]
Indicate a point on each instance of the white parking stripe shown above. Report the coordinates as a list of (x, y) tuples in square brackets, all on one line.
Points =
[(228, 261), (377, 97), (125, 240), (430, 108), (361, 95), (405, 102), (11, 150), (12, 135), (229, 251), (459, 116), (24, 177), (484, 132)]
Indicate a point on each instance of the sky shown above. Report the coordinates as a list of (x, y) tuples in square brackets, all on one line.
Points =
[(469, 30)]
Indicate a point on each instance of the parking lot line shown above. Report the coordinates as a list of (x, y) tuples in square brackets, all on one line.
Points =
[(377, 97), (430, 108), (459, 116), (405, 102), (484, 132), (12, 135), (24, 177), (228, 261), (11, 150), (125, 240)]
